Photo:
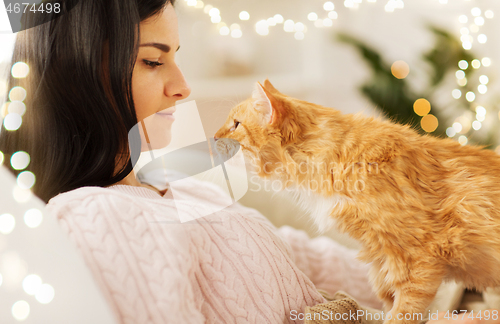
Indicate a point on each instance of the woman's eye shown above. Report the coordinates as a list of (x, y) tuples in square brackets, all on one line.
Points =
[(152, 64)]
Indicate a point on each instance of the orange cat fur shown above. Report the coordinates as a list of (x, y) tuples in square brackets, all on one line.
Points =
[(425, 209)]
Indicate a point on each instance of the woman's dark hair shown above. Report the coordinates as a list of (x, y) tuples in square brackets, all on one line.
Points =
[(79, 105)]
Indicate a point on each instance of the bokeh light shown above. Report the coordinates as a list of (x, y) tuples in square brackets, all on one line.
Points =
[(422, 107), (463, 140), (17, 94), (271, 21), (261, 28), (26, 180), (244, 15), (476, 11), (214, 12), (476, 125), (486, 61), (400, 69), (457, 127), (21, 310), (237, 33), (45, 294), (450, 132), (312, 16), (456, 93), (20, 160), (482, 38), (470, 96), (16, 107), (12, 121), (32, 284), (329, 6), (7, 223), (333, 15), (476, 64), (20, 70), (460, 74), (429, 123), (33, 218), (289, 26), (224, 31), (278, 18), (327, 22), (463, 64), (21, 195), (482, 89), (299, 35)]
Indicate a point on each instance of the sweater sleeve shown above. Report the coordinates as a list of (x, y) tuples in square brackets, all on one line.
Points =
[(144, 273), (331, 266)]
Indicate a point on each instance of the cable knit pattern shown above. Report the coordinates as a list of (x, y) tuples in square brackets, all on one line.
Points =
[(232, 266)]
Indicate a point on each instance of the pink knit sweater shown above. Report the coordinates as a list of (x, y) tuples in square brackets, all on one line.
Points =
[(233, 266)]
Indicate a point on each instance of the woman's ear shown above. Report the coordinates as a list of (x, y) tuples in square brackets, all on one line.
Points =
[(268, 105)]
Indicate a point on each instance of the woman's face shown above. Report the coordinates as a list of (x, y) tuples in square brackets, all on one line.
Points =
[(157, 81)]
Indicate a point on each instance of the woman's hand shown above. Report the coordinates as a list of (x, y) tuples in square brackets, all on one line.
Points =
[(490, 316)]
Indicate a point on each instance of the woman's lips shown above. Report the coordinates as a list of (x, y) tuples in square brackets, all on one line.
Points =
[(167, 113)]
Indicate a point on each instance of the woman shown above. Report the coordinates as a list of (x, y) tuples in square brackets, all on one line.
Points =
[(97, 71)]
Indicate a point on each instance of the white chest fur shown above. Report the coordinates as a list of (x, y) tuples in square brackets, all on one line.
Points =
[(320, 208)]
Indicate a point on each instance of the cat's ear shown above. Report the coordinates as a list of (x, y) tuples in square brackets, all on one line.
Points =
[(269, 87), (266, 104)]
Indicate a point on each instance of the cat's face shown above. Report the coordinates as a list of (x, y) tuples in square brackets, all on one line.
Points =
[(254, 123)]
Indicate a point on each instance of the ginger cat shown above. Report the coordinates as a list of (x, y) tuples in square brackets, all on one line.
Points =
[(425, 209)]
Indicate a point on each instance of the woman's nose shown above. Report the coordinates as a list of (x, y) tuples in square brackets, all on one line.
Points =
[(178, 88)]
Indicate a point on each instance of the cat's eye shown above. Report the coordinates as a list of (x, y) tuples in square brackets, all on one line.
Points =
[(236, 123)]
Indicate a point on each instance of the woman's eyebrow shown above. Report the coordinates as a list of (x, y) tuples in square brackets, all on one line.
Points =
[(162, 47)]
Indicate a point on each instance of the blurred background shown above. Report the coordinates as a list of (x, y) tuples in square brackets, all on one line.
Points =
[(431, 63)]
